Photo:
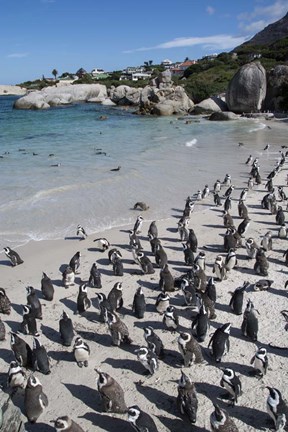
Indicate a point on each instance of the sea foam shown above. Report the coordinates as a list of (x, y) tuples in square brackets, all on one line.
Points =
[(191, 143)]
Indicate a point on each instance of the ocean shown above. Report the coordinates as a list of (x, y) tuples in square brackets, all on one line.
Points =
[(56, 166)]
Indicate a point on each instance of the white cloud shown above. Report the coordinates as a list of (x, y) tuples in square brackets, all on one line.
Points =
[(210, 10), (260, 17), (253, 27), (18, 55), (217, 42)]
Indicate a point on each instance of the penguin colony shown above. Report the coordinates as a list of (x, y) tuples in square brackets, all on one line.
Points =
[(111, 338)]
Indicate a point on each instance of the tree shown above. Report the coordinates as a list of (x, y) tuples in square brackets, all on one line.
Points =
[(55, 73)]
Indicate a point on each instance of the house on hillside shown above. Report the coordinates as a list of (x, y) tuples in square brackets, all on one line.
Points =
[(179, 68), (135, 74), (98, 73)]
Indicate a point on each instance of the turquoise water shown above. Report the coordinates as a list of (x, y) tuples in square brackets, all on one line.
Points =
[(162, 161)]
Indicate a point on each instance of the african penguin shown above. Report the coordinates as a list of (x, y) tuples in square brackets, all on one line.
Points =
[(81, 351), (140, 420), (162, 302), (83, 302), (189, 349), (249, 326), (187, 401), (138, 225), (115, 296), (231, 382), (95, 277), (111, 393), (145, 263), (118, 329), (41, 361), (236, 302), (22, 351), (66, 424), (75, 262), (47, 287), (16, 376), (260, 362), (275, 405), (171, 318), (153, 339), (35, 400), (148, 359), (34, 302), (139, 303), (2, 330), (102, 244), (219, 342), (5, 303), (68, 277), (81, 232), (13, 256), (29, 324), (200, 324), (221, 422), (140, 206), (66, 329), (261, 265), (166, 282)]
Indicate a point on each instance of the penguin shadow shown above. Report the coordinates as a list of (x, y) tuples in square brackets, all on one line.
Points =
[(213, 226), (279, 292), (57, 282), (14, 325), (241, 369), (211, 391), (157, 397), (69, 304), (38, 427), (157, 325), (62, 267), (250, 416), (171, 239), (6, 355), (223, 307), (62, 356), (3, 382), (172, 230), (266, 223), (87, 395), (172, 358), (106, 422), (73, 238), (180, 267), (50, 333), (213, 248), (103, 261), (126, 364), (277, 261), (18, 308), (154, 286), (177, 210), (5, 263), (178, 425)]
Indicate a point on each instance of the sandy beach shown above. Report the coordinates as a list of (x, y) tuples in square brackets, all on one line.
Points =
[(72, 390)]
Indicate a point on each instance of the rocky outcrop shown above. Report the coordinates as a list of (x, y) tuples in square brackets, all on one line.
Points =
[(12, 90), (223, 116), (125, 95), (11, 416), (247, 89), (55, 96), (213, 104), (277, 88)]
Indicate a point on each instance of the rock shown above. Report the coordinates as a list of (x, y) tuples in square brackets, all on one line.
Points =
[(12, 418), (125, 95), (276, 80), (108, 102), (223, 116), (165, 108), (213, 104), (164, 80), (247, 89), (12, 90)]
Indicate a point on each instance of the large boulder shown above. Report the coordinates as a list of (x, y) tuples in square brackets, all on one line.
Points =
[(213, 104), (277, 88), (54, 96), (165, 101), (125, 95), (247, 89), (164, 80), (223, 116)]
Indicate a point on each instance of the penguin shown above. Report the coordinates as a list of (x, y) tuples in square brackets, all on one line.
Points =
[(280, 216), (29, 324), (283, 232), (95, 277), (208, 303), (249, 160), (201, 324), (227, 204), (189, 207), (236, 302), (40, 358), (249, 326), (102, 244), (140, 420), (227, 180), (217, 199), (188, 255), (139, 303), (260, 362), (83, 302), (5, 303), (275, 405), (192, 240), (183, 229), (243, 226), (250, 183), (261, 265), (111, 393), (21, 350), (153, 230), (221, 422), (13, 256), (262, 285), (190, 296), (171, 318), (148, 359), (161, 256), (200, 260), (68, 277), (243, 194), (141, 206), (75, 262), (219, 342), (154, 340), (162, 302), (231, 382), (205, 192), (230, 260), (138, 225), (134, 241), (230, 240), (154, 243), (114, 254), (219, 268), (34, 302), (251, 248), (229, 191), (242, 209), (227, 220), (2, 330), (81, 351), (118, 329), (281, 193), (66, 424), (267, 147), (189, 349), (81, 232), (187, 401), (35, 400), (104, 306), (66, 329), (199, 195), (269, 185), (115, 296), (217, 186), (145, 263), (266, 242), (16, 376), (211, 289), (118, 267), (166, 282), (47, 287)]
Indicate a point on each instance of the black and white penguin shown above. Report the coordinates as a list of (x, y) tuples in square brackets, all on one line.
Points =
[(154, 243), (66, 329), (217, 199), (227, 219), (227, 180), (104, 306), (236, 302), (211, 289), (183, 228), (187, 401), (261, 265), (219, 342), (83, 302), (227, 204), (5, 303), (200, 324), (153, 230), (81, 232), (21, 350), (115, 296), (111, 393), (221, 422), (229, 191), (262, 284), (188, 255), (280, 216), (205, 192), (102, 244), (154, 340), (134, 241), (171, 318), (231, 260), (166, 282), (139, 303), (276, 406), (113, 254), (34, 302), (219, 268), (16, 376), (81, 351), (140, 420), (251, 248), (145, 263), (249, 326), (243, 226), (189, 349), (242, 210), (41, 361), (118, 329), (189, 293), (249, 160), (68, 277), (283, 232), (148, 359), (75, 262), (192, 240), (260, 362), (47, 287), (161, 256), (35, 400), (200, 260), (231, 382), (243, 194), (95, 277), (29, 324), (189, 206), (138, 225), (266, 241), (118, 269), (66, 424), (250, 183), (13, 256), (269, 185), (140, 205), (217, 186), (282, 194), (162, 302), (2, 330)]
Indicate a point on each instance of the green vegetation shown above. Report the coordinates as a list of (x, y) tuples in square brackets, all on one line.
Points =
[(54, 73)]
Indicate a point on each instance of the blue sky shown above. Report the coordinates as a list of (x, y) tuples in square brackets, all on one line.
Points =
[(37, 36)]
